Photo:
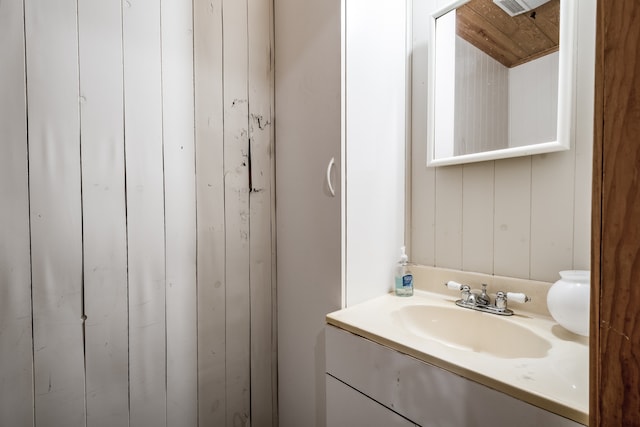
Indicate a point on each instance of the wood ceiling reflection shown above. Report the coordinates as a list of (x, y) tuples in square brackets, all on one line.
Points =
[(510, 40)]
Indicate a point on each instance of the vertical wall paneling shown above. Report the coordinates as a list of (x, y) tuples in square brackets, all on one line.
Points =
[(448, 223), (480, 121), (104, 213), (207, 16), (477, 217), (260, 73), (54, 161), (180, 212), (137, 277), (145, 212), (16, 357), (552, 214), (512, 223), (236, 199)]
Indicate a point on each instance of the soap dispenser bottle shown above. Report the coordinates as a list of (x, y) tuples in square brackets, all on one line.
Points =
[(403, 276)]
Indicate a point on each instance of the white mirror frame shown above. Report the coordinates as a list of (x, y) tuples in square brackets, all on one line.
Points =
[(566, 93)]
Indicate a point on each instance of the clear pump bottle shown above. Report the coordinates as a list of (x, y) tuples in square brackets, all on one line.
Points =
[(403, 276)]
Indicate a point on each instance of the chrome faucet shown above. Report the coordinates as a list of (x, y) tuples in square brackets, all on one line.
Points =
[(481, 301)]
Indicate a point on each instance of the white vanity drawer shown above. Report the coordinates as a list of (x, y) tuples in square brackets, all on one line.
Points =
[(425, 394), (346, 406)]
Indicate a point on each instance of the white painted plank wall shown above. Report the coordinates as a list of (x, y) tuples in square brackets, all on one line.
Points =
[(141, 218), (209, 122), (236, 200), (16, 349), (262, 215), (448, 218), (145, 212), (552, 193), (512, 216), (477, 218), (56, 212), (540, 216), (180, 212), (104, 213), (481, 122)]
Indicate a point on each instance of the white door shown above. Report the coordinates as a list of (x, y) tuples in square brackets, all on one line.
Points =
[(308, 135)]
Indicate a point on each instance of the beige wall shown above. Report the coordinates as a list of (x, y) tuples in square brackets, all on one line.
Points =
[(526, 217)]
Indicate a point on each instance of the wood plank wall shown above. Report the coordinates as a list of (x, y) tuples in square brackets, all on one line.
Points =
[(527, 217), (136, 212)]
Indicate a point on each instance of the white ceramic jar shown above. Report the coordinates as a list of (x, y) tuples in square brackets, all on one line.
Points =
[(568, 301)]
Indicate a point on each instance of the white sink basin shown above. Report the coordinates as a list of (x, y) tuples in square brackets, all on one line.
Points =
[(474, 331)]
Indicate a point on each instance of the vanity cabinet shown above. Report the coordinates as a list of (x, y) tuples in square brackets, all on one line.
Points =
[(421, 393)]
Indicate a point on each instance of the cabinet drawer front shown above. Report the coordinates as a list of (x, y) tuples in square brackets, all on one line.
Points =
[(348, 407), (423, 393)]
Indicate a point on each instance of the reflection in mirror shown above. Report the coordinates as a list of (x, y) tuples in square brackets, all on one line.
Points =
[(500, 85)]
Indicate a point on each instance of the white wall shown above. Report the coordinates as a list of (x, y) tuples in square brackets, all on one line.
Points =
[(135, 230), (375, 92), (527, 217), (533, 101)]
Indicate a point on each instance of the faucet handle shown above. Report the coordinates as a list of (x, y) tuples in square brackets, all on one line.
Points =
[(518, 297), (465, 289), (454, 286), (502, 297)]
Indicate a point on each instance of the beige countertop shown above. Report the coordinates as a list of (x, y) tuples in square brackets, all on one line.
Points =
[(556, 379)]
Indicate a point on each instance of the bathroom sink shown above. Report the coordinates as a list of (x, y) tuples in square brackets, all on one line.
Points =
[(527, 355), (473, 331)]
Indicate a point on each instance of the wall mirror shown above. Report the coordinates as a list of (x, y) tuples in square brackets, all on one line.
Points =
[(501, 79)]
